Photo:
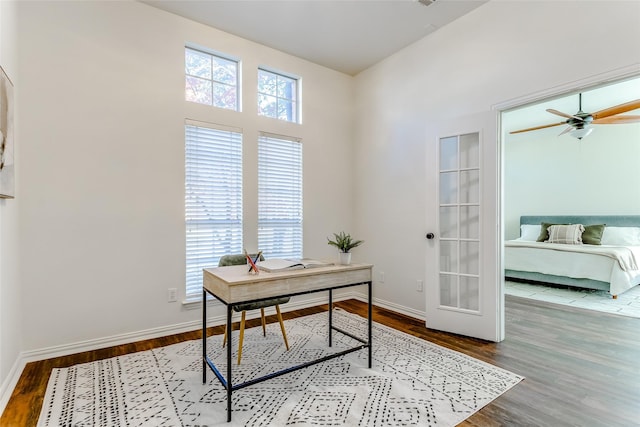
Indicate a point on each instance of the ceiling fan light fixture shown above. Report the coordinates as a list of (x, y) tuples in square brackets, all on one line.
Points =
[(581, 120), (580, 132)]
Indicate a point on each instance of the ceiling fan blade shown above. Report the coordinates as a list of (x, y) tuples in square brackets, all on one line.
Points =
[(568, 129), (538, 127), (561, 114), (617, 120), (622, 108)]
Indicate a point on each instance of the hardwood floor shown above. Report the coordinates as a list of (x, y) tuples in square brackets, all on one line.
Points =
[(581, 368)]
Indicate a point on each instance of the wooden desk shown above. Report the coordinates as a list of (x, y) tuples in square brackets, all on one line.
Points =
[(233, 285)]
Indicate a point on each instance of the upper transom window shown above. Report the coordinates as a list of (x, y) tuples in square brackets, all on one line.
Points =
[(211, 79), (277, 96)]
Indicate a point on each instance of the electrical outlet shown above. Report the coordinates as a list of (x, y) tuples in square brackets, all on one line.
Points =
[(172, 294), (419, 286), (382, 277)]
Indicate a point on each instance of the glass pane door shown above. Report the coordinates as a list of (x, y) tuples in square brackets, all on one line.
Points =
[(459, 222)]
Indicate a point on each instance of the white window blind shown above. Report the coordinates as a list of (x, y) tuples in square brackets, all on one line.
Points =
[(213, 199), (279, 196)]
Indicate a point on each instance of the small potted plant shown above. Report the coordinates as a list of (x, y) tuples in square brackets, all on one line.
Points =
[(344, 242)]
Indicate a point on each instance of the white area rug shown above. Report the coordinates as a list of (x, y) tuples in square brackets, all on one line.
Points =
[(627, 303), (412, 383)]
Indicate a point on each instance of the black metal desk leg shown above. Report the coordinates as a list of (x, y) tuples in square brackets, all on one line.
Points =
[(204, 337), (330, 317), (370, 323), (229, 344)]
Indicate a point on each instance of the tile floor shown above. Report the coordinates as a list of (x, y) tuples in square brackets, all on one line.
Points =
[(627, 303)]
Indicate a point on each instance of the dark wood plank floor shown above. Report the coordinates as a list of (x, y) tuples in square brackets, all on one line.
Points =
[(581, 368)]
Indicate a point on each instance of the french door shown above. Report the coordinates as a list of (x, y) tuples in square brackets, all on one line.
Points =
[(464, 279)]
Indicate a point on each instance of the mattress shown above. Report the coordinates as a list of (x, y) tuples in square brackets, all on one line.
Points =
[(538, 257)]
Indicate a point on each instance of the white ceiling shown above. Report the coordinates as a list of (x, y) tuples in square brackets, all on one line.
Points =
[(345, 35)]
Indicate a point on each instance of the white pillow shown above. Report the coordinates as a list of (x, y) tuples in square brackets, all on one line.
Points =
[(529, 232), (621, 236)]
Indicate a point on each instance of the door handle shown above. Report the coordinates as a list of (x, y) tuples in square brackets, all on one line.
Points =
[(430, 236)]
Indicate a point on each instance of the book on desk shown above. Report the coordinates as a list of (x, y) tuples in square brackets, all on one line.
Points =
[(279, 264)]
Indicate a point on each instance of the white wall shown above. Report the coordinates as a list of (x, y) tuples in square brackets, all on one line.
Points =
[(10, 313), (548, 175), (102, 163), (498, 52)]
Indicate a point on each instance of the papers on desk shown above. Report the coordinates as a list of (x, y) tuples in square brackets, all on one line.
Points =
[(278, 264)]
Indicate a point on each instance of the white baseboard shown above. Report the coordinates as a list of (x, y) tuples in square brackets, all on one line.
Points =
[(6, 389), (422, 315)]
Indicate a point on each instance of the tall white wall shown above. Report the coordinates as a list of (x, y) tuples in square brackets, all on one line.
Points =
[(102, 163), (499, 52), (10, 296)]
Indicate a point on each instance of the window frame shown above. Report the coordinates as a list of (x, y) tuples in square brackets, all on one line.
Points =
[(295, 100), (238, 80)]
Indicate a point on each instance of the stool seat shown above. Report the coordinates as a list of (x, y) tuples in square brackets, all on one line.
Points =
[(261, 304)]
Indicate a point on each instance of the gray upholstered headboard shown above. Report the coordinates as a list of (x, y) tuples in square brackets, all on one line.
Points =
[(610, 220)]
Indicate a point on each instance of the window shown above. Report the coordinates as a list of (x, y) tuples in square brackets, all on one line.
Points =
[(277, 96), (213, 199), (279, 197), (211, 79)]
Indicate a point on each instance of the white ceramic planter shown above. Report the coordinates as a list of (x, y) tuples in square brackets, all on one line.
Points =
[(345, 258)]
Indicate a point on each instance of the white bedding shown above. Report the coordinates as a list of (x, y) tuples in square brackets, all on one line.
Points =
[(617, 265)]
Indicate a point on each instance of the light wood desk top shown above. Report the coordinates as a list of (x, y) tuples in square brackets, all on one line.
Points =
[(233, 284)]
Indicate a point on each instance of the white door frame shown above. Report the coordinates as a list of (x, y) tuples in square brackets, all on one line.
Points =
[(567, 88)]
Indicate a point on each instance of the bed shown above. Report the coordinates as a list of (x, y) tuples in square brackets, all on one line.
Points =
[(613, 265)]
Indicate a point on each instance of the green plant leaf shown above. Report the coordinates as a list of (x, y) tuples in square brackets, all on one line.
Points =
[(344, 242)]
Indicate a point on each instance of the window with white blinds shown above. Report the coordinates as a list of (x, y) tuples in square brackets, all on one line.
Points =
[(213, 199), (279, 196)]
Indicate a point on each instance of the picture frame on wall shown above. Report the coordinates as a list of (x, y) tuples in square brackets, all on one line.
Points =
[(7, 169)]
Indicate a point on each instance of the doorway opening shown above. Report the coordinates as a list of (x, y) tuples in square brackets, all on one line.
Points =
[(549, 170)]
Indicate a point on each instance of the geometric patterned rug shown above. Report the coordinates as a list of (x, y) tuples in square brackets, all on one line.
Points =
[(412, 383)]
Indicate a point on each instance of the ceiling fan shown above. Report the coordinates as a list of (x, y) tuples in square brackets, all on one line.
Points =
[(580, 121)]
